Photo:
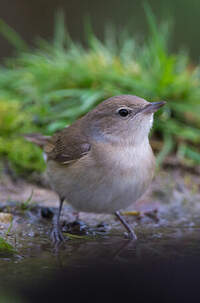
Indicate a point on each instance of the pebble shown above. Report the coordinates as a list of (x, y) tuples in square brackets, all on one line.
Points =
[(6, 217)]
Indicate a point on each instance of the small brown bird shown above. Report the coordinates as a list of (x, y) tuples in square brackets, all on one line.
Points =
[(103, 162)]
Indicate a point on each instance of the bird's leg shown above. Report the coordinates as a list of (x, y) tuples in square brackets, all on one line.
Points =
[(131, 232), (56, 234), (76, 215)]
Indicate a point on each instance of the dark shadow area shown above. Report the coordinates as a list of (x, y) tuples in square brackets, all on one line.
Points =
[(107, 270), (150, 280)]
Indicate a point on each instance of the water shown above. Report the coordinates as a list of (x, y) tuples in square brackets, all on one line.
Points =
[(165, 257), (36, 262)]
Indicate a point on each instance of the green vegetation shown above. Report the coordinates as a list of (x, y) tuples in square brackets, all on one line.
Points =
[(49, 87), (5, 247), (26, 205)]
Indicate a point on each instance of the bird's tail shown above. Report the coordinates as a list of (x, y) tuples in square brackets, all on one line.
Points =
[(37, 139)]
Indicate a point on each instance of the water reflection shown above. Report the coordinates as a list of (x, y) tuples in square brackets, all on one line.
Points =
[(109, 267)]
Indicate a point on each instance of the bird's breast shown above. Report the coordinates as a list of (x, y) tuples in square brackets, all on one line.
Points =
[(125, 158), (107, 179)]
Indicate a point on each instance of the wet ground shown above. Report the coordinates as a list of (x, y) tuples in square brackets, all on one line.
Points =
[(166, 221)]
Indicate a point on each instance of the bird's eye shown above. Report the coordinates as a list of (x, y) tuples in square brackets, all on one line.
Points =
[(123, 112)]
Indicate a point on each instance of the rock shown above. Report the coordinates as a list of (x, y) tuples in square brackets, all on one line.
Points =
[(6, 217)]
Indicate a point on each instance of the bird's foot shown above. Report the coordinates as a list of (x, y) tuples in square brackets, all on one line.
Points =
[(130, 235), (130, 232), (57, 235)]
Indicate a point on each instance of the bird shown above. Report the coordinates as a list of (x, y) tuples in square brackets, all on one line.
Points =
[(103, 162)]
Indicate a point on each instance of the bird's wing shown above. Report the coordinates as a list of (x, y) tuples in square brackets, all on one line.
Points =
[(67, 146)]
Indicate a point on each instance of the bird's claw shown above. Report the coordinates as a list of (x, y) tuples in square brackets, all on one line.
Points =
[(57, 235), (130, 235)]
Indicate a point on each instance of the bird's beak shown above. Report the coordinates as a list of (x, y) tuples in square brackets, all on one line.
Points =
[(152, 107)]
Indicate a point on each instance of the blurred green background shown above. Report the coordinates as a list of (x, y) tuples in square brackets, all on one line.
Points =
[(145, 48), (36, 18)]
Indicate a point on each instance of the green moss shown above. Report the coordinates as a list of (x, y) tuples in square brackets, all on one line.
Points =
[(5, 247), (25, 156), (11, 117), (22, 154)]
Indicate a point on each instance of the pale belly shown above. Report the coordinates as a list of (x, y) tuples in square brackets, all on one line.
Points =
[(93, 189), (112, 194)]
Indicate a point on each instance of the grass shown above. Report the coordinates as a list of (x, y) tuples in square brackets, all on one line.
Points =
[(5, 247), (48, 87), (26, 205)]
